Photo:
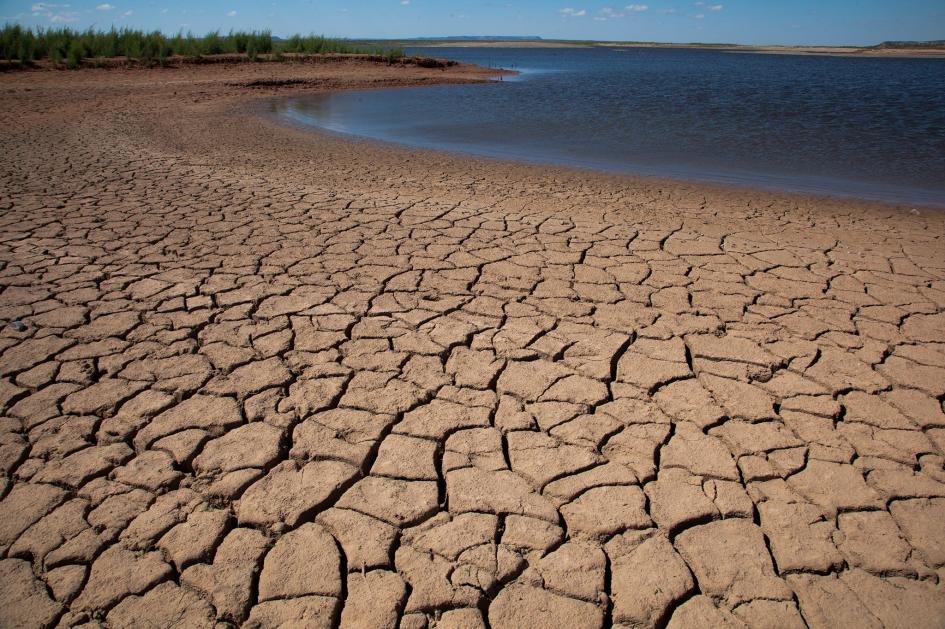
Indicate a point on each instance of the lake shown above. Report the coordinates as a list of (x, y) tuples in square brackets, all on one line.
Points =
[(865, 127)]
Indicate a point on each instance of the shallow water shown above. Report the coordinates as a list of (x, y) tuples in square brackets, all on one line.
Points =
[(865, 127)]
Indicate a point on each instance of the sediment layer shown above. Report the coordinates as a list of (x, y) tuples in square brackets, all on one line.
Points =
[(266, 377)]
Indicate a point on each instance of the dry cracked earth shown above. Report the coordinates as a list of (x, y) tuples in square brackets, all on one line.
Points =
[(261, 395)]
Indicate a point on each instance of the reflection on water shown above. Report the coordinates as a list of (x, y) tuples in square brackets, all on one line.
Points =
[(866, 127)]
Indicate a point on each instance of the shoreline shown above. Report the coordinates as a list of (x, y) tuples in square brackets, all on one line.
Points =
[(393, 151), (715, 183), (237, 93), (269, 376), (844, 51)]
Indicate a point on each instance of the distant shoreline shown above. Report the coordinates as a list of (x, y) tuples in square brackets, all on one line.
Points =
[(844, 51)]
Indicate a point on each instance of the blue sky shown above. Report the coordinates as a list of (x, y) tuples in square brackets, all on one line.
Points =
[(738, 21)]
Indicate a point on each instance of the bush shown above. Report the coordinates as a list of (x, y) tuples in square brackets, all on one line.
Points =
[(74, 57), (213, 43), (319, 45), (26, 45)]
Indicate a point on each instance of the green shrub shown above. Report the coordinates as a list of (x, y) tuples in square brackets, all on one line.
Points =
[(319, 45), (213, 43), (75, 54), (27, 44)]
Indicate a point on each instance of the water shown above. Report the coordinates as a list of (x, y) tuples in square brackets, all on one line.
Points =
[(865, 127)]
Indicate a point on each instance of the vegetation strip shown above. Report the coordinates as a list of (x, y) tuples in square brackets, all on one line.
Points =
[(77, 48)]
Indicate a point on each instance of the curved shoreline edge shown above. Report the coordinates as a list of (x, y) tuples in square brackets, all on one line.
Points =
[(244, 87), (747, 183)]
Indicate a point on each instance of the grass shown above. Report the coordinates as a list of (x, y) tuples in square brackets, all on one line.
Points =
[(73, 47)]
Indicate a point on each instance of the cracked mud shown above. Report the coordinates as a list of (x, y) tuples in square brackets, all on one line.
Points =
[(255, 377)]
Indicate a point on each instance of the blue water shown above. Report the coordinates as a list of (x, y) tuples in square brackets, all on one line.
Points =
[(865, 127)]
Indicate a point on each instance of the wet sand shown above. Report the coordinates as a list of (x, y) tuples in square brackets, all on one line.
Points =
[(258, 375)]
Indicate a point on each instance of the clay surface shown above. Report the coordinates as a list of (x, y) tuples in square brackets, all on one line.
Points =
[(254, 376)]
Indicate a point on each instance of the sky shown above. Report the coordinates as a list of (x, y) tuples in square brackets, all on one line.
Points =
[(824, 22)]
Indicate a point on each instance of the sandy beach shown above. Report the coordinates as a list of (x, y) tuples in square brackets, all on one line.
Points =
[(261, 376)]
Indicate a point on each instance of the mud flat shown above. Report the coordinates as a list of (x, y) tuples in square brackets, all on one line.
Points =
[(267, 377)]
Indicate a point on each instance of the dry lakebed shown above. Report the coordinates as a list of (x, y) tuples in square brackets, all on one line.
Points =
[(254, 375)]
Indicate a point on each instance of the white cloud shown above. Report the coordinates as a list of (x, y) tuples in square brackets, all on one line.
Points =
[(231, 13), (50, 11), (699, 16), (610, 13), (163, 11), (715, 7), (40, 7), (105, 7), (572, 12), (405, 2)]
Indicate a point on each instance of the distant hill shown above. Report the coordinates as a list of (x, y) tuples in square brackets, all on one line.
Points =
[(938, 43), (477, 38)]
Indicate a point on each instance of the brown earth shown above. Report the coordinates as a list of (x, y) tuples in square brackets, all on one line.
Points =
[(257, 376)]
